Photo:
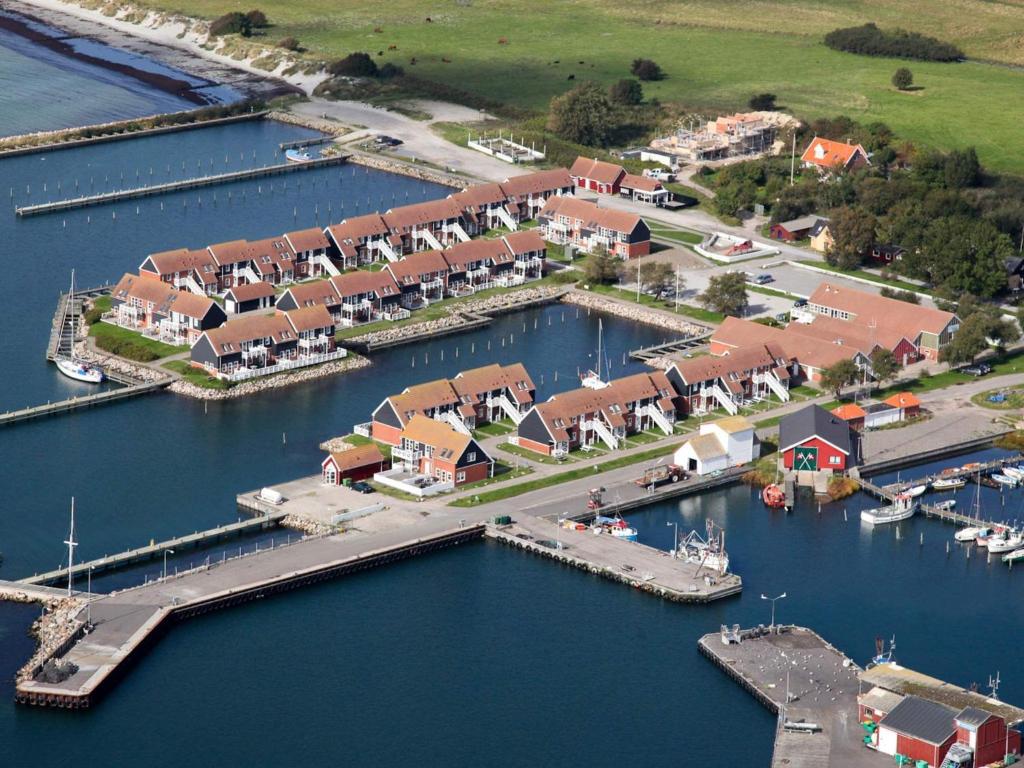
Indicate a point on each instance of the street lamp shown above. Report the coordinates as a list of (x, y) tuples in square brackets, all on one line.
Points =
[(166, 553), (88, 606), (675, 539), (773, 599)]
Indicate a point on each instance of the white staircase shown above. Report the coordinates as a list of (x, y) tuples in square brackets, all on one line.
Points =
[(428, 236), (776, 386), (387, 250), (506, 219), (456, 422), (327, 265), (604, 433), (460, 233), (724, 400), (250, 275), (193, 285), (659, 418), (506, 407)]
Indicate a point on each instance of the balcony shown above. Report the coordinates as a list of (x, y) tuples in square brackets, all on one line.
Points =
[(409, 455)]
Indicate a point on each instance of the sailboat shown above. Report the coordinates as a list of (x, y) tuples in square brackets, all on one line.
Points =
[(71, 366), (592, 379)]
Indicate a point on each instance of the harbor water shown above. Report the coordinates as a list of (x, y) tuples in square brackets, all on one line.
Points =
[(481, 655)]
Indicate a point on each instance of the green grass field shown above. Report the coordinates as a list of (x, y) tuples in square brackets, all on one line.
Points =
[(715, 54)]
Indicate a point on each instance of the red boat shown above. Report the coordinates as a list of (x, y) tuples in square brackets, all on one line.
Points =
[(773, 496)]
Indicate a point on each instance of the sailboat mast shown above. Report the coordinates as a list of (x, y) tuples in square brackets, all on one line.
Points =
[(600, 332), (71, 548)]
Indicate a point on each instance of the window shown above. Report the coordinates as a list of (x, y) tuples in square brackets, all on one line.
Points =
[(471, 457), (460, 477), (833, 460)]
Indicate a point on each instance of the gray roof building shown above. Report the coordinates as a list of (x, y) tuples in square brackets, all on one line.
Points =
[(921, 719), (814, 421)]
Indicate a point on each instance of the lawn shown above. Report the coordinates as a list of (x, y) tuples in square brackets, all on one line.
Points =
[(130, 344), (715, 55), (865, 275), (494, 429), (509, 491), (539, 458), (678, 235), (196, 376), (701, 315), (502, 472)]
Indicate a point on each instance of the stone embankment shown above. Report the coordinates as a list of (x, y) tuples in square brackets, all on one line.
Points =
[(506, 302), (307, 526), (137, 371), (330, 127), (407, 169), (51, 630), (635, 312), (276, 381)]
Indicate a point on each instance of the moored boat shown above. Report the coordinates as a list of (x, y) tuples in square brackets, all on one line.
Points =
[(297, 155), (1015, 472), (902, 507), (1013, 557), (617, 527), (1006, 480), (67, 362), (773, 496), (971, 533), (945, 506), (1008, 541), (916, 490), (948, 484)]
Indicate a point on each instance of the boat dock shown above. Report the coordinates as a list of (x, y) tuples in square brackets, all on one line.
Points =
[(679, 346), (126, 622), (178, 186), (817, 725), (642, 567), (155, 550)]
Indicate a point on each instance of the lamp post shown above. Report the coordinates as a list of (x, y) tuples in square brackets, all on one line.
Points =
[(675, 539), (166, 553), (773, 599), (88, 606)]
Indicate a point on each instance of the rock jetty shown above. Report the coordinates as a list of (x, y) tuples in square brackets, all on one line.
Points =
[(635, 312), (276, 381)]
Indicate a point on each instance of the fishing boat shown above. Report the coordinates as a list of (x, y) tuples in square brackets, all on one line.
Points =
[(1005, 542), (67, 362), (616, 526), (971, 533), (1002, 479), (1013, 557), (945, 506), (297, 155), (902, 507), (773, 496), (916, 490), (706, 552), (948, 483)]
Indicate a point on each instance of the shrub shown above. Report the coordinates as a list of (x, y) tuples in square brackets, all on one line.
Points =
[(646, 69), (289, 44), (902, 78), (389, 70), (762, 102), (92, 316), (582, 115), (895, 293), (257, 19), (231, 23), (869, 40), (354, 65), (626, 91)]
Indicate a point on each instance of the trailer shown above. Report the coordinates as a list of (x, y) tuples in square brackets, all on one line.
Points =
[(661, 474)]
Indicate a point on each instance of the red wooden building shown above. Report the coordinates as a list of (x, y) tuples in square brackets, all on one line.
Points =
[(357, 463), (813, 439)]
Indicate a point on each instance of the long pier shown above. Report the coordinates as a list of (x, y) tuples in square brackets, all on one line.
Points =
[(687, 344), (151, 551), (177, 186), (85, 401)]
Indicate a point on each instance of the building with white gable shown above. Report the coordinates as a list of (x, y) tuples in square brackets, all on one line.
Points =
[(728, 442)]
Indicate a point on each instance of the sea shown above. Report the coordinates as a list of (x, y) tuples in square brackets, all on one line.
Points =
[(479, 655)]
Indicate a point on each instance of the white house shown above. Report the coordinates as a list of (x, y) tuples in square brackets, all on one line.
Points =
[(721, 444)]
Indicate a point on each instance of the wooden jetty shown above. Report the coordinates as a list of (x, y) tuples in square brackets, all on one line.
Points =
[(155, 550), (679, 346), (315, 141), (808, 683), (85, 401), (178, 186), (126, 622)]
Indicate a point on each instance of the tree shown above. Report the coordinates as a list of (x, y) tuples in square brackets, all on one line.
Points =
[(627, 92), (902, 78), (726, 293), (965, 255), (853, 234), (289, 44), (582, 115), (231, 23), (600, 268), (654, 275), (762, 102), (883, 365), (646, 69), (257, 19), (962, 169), (839, 375), (968, 342), (356, 64)]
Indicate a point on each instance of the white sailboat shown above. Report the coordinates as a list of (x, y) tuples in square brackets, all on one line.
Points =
[(902, 507), (68, 363)]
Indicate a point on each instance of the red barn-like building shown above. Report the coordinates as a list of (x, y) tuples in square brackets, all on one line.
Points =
[(357, 463), (813, 439)]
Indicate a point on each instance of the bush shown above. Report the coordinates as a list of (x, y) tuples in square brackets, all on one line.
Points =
[(646, 69), (762, 102), (257, 19), (92, 316), (390, 70), (582, 115), (869, 40), (902, 78), (231, 23), (894, 293), (127, 349), (626, 91), (289, 44), (354, 65)]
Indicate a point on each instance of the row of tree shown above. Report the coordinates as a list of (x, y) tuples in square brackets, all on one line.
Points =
[(869, 40)]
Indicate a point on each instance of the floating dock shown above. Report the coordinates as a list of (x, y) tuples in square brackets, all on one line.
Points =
[(818, 725), (178, 186), (688, 344)]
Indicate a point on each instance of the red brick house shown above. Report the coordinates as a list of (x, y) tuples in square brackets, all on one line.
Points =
[(363, 239), (597, 175), (433, 448), (584, 225), (357, 463), (421, 277), (528, 193), (429, 225), (311, 248), (815, 440)]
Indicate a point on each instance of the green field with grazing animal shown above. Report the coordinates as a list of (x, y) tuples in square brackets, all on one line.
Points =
[(715, 53)]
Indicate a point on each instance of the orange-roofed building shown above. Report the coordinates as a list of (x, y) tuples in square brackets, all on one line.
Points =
[(827, 155), (597, 175), (433, 448), (567, 220), (357, 463), (852, 414), (908, 403)]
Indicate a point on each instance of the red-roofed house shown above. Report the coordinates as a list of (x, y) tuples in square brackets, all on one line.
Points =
[(907, 402), (531, 191), (158, 309), (366, 296), (852, 414), (643, 189), (828, 156), (433, 448), (311, 248), (485, 206), (421, 277), (567, 220), (361, 240), (183, 268), (753, 372), (429, 225), (597, 175), (357, 463)]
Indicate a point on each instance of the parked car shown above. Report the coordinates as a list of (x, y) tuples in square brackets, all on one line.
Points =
[(363, 487), (389, 141), (800, 303), (763, 278), (978, 369)]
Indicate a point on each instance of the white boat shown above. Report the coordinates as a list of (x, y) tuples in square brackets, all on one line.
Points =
[(948, 484), (707, 552), (901, 508), (946, 505), (1013, 557), (67, 363), (716, 561), (971, 533), (1015, 472), (1002, 479), (916, 490), (298, 155), (1007, 542)]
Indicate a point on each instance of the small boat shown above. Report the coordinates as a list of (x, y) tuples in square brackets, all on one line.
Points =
[(916, 490), (971, 533), (1007, 542), (901, 508), (67, 362), (617, 527), (1002, 479), (945, 506), (948, 484), (773, 496), (1013, 557), (297, 155), (1015, 472)]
